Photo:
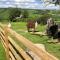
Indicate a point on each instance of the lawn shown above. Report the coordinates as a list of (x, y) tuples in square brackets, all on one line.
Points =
[(20, 27)]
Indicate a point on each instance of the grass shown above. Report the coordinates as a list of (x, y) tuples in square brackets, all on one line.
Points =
[(18, 26), (2, 52), (52, 48)]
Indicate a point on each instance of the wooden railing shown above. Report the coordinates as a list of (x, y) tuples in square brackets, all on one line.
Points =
[(14, 51)]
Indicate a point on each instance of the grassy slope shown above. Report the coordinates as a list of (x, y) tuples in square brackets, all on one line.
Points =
[(2, 52), (52, 48), (4, 14)]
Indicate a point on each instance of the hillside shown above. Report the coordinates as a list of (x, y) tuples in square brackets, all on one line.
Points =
[(4, 13)]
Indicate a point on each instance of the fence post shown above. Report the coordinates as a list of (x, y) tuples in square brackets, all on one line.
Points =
[(6, 42)]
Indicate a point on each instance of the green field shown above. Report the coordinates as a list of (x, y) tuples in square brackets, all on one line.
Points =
[(20, 27)]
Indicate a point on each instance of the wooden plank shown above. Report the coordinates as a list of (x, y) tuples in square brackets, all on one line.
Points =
[(1, 30), (20, 50), (7, 42), (41, 46), (2, 36), (4, 32), (4, 44), (42, 54), (24, 54), (15, 53), (2, 40), (11, 55)]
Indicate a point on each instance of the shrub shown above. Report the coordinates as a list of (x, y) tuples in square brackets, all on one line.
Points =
[(43, 19)]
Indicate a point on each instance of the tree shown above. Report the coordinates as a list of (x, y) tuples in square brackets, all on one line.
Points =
[(56, 2), (14, 12), (43, 19), (43, 11), (25, 14)]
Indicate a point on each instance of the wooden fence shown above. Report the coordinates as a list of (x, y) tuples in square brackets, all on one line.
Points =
[(14, 51)]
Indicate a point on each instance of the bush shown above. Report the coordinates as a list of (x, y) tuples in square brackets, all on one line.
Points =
[(25, 14), (23, 19), (13, 14), (43, 19)]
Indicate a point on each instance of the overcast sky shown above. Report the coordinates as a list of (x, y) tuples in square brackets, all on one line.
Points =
[(31, 4)]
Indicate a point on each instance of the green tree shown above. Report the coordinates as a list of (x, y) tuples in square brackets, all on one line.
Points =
[(56, 2), (14, 12), (25, 14), (43, 11), (43, 18)]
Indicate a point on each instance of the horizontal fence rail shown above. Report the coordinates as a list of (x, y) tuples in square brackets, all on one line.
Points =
[(14, 51)]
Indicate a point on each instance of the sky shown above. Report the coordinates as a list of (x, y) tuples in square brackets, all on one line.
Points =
[(30, 4)]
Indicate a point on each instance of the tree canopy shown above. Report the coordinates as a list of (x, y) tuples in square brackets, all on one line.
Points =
[(15, 12)]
